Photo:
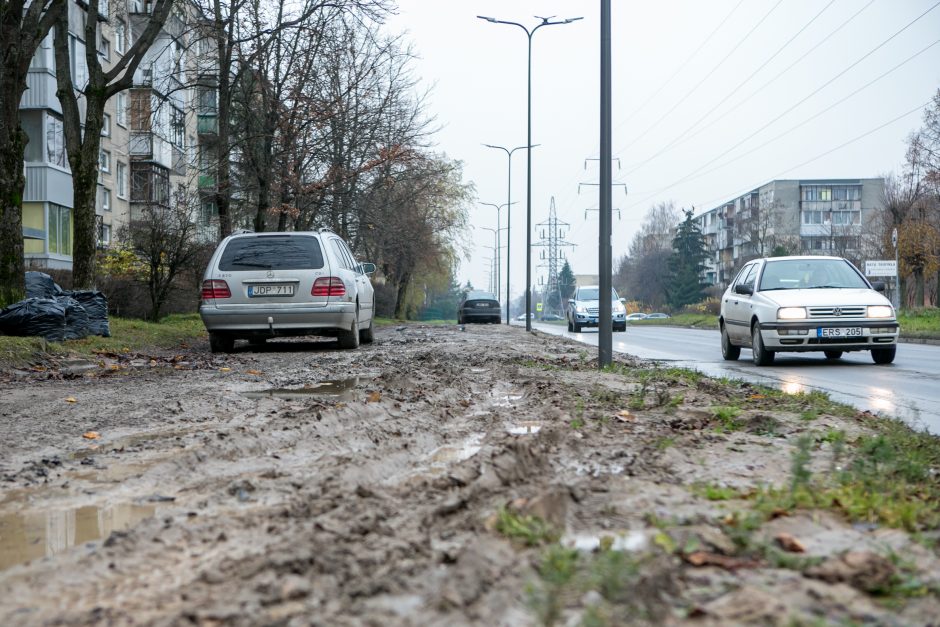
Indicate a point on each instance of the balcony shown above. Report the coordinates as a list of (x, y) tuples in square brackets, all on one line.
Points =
[(40, 91), (48, 183), (206, 183), (147, 146), (207, 124)]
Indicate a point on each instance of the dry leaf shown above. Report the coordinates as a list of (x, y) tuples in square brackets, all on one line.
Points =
[(625, 416), (705, 558), (374, 397), (70, 399), (225, 369), (755, 397), (114, 367), (256, 372), (91, 435), (789, 543)]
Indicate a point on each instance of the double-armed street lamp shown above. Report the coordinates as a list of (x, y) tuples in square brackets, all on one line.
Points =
[(546, 21), (499, 245), (508, 204)]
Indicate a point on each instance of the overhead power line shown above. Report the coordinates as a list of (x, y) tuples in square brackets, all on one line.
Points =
[(916, 109), (824, 85), (731, 91), (704, 78)]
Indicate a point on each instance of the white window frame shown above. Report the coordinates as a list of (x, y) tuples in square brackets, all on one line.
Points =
[(106, 125), (104, 161), (120, 36), (105, 199), (104, 49), (121, 109), (121, 180)]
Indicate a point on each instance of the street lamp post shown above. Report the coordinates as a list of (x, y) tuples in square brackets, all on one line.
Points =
[(508, 205), (546, 21), (499, 246)]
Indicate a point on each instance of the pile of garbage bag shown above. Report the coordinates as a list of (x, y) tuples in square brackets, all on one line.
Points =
[(56, 314)]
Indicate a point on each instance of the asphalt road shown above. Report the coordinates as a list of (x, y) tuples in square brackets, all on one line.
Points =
[(908, 389)]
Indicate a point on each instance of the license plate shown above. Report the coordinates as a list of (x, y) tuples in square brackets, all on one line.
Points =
[(483, 305), (255, 291), (839, 332)]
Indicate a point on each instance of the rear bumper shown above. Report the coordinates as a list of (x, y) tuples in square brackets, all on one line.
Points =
[(274, 321)]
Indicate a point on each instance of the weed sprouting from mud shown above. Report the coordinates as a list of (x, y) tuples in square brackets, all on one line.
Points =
[(529, 530)]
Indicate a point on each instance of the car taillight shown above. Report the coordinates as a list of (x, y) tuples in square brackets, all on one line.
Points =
[(215, 289), (328, 286)]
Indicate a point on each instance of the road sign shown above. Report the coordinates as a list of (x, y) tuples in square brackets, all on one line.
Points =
[(538, 306), (881, 267)]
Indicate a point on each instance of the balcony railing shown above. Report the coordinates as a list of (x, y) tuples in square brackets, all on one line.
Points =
[(207, 123), (206, 182)]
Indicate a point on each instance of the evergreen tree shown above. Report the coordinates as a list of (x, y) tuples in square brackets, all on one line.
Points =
[(566, 282), (686, 264)]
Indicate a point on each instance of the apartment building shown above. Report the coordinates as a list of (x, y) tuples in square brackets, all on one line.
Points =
[(789, 216), (150, 140)]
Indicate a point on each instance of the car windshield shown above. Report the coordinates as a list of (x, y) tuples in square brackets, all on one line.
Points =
[(793, 274), (272, 252), (478, 295), (592, 293)]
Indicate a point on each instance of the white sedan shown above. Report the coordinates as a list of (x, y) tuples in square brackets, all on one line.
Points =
[(804, 304)]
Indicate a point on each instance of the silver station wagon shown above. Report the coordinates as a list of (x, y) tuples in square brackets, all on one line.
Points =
[(263, 285), (806, 304)]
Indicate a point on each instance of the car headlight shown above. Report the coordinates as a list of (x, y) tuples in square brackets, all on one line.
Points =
[(791, 313), (880, 311), (582, 309), (619, 308)]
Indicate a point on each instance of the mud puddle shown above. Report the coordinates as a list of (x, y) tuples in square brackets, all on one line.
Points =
[(25, 537), (340, 388)]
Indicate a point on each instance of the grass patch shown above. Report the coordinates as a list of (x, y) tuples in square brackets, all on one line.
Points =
[(888, 478), (127, 335), (727, 418), (698, 321), (715, 492), (920, 323), (527, 530)]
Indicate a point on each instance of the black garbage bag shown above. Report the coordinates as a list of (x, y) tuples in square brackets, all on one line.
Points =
[(41, 285), (96, 306), (76, 318), (35, 316)]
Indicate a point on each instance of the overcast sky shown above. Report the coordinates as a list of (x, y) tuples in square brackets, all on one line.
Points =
[(710, 100)]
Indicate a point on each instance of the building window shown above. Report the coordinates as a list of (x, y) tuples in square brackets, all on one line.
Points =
[(178, 128), (121, 180), (106, 125), (79, 67), (120, 36), (104, 161), (105, 199), (104, 48), (122, 109), (60, 230), (55, 141), (104, 235)]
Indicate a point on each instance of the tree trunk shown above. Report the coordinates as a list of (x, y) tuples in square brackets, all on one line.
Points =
[(400, 296), (12, 183)]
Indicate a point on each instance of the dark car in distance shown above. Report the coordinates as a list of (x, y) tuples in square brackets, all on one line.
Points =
[(478, 306)]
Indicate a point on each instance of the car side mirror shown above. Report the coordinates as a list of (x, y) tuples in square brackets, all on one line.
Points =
[(878, 286), (623, 300), (741, 288), (367, 268), (571, 301)]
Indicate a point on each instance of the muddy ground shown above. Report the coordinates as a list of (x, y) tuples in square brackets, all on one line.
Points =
[(437, 477)]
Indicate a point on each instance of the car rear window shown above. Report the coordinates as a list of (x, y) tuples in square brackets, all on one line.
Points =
[(272, 252)]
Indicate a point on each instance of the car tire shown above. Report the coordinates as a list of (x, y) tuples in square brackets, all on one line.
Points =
[(350, 339), (761, 356), (833, 354), (367, 335), (729, 351), (576, 327), (621, 328), (221, 343), (570, 328), (883, 355)]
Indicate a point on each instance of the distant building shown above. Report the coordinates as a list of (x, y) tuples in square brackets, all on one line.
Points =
[(810, 217)]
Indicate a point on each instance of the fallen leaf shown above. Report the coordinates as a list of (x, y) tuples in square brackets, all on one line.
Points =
[(91, 435), (114, 367), (374, 397), (755, 397), (625, 416), (70, 399), (255, 372), (706, 558), (778, 513), (789, 543), (225, 369)]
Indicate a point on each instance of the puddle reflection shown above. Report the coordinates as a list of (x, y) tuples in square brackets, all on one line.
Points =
[(25, 537), (337, 387)]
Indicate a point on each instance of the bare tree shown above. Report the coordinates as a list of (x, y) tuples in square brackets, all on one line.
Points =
[(23, 26), (83, 134)]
